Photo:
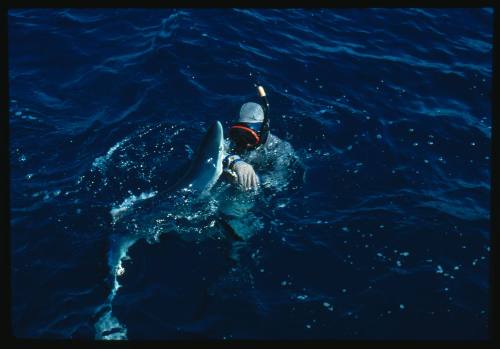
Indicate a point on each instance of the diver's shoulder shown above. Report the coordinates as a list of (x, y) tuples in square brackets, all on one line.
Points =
[(275, 142), (273, 139)]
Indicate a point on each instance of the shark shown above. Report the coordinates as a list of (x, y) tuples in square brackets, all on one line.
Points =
[(206, 165), (156, 212)]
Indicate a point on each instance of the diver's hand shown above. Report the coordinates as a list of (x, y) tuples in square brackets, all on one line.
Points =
[(247, 177)]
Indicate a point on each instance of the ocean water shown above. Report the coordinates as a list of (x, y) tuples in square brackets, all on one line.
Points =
[(383, 232)]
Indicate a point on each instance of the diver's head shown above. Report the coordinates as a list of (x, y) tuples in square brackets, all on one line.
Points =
[(252, 128)]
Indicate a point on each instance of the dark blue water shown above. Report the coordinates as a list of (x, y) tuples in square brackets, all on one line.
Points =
[(384, 233)]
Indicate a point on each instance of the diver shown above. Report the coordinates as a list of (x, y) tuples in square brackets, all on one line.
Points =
[(251, 146), (254, 158)]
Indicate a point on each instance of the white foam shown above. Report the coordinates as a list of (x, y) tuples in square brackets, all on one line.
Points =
[(328, 306), (100, 161), (129, 202), (108, 322), (115, 260), (189, 151)]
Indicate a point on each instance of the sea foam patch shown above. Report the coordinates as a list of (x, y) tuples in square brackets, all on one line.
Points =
[(100, 161), (116, 212)]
